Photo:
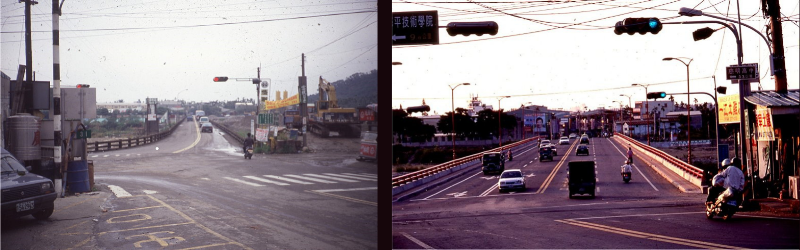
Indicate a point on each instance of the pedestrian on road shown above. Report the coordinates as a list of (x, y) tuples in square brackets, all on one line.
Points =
[(630, 155)]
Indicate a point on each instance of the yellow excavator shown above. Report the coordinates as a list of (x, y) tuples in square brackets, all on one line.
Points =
[(328, 116)]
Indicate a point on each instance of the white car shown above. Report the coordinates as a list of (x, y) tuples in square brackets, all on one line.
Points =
[(563, 140), (573, 136), (542, 143), (511, 179)]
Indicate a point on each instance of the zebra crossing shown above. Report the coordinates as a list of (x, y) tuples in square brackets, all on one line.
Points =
[(302, 179)]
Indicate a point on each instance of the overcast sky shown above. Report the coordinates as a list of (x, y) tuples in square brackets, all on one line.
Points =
[(136, 49), (584, 64)]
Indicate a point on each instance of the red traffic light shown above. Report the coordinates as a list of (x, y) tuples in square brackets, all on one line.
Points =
[(221, 79)]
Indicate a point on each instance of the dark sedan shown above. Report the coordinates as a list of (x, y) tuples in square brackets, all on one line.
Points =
[(25, 193), (206, 127), (582, 150)]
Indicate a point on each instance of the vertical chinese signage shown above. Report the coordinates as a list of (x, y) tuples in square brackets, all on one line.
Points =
[(417, 27), (764, 130), (728, 109)]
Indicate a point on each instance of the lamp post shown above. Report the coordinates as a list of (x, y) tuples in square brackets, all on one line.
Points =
[(499, 119), (688, 105), (716, 106), (452, 115), (646, 108)]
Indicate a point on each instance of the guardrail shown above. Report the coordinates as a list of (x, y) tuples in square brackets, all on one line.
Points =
[(413, 176), (102, 146), (683, 166), (228, 131)]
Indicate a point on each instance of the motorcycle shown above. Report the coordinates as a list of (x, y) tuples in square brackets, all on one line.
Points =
[(626, 177), (509, 156), (722, 208), (248, 153)]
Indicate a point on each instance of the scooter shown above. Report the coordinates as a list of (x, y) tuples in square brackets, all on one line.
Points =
[(248, 153), (722, 208), (626, 176)]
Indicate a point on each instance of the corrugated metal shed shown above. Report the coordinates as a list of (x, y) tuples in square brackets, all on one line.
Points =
[(773, 99)]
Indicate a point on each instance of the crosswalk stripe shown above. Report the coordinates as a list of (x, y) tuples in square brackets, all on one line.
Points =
[(265, 180), (245, 182), (351, 177), (362, 175), (308, 178), (105, 155), (287, 179), (331, 178)]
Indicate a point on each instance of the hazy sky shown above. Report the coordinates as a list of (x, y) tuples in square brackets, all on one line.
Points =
[(134, 49), (583, 64)]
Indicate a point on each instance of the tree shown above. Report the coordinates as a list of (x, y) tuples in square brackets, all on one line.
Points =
[(486, 127), (102, 111), (465, 126), (404, 126)]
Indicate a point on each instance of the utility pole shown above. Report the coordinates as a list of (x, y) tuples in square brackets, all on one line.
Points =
[(303, 97), (774, 12), (56, 91), (28, 49)]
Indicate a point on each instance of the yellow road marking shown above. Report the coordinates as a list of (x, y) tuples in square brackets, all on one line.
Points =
[(130, 229), (198, 224), (212, 245), (81, 243), (196, 140), (345, 198), (552, 175), (649, 236), (132, 209), (142, 217), (76, 225)]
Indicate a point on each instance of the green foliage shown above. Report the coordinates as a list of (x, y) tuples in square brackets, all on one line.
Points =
[(358, 90), (411, 127)]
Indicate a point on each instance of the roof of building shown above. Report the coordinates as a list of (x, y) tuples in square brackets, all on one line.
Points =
[(676, 113), (771, 98)]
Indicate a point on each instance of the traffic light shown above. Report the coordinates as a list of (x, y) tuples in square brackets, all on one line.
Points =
[(640, 25), (221, 79), (423, 108), (85, 86), (656, 95), (472, 28)]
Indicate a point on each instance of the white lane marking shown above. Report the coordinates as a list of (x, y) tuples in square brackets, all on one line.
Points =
[(116, 155), (345, 189), (127, 155), (452, 186), (287, 179), (204, 178), (93, 156), (308, 178), (531, 161), (265, 180), (149, 191), (362, 175), (767, 217), (456, 195), (118, 191), (351, 177), (245, 182), (634, 165), (415, 240), (138, 154), (330, 178), (489, 190), (525, 165), (105, 155)]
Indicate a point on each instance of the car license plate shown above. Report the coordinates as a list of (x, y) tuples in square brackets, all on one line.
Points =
[(24, 206)]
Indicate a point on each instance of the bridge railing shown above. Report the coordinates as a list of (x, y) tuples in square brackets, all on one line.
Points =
[(685, 170), (102, 146), (417, 175)]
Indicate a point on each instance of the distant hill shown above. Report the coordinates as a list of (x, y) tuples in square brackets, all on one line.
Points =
[(358, 90)]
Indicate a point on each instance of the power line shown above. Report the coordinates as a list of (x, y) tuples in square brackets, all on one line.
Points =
[(359, 55), (207, 25)]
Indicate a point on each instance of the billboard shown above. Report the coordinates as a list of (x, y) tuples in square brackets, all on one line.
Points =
[(539, 121), (728, 109), (268, 105)]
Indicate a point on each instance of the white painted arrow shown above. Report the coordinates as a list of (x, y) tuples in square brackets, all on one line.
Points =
[(489, 177), (456, 195), (395, 38)]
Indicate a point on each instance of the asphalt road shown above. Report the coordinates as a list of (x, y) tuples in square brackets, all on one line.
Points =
[(649, 212), (196, 190)]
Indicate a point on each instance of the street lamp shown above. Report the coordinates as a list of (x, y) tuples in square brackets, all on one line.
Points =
[(646, 108), (500, 118), (629, 99), (452, 115), (688, 105)]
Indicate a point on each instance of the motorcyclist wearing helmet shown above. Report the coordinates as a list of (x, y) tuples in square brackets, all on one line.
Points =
[(626, 167), (730, 179), (248, 142)]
